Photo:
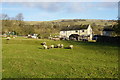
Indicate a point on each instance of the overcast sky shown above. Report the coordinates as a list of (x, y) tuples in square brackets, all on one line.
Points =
[(46, 11)]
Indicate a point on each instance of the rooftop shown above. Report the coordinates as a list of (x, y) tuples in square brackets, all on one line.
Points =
[(75, 27), (108, 28)]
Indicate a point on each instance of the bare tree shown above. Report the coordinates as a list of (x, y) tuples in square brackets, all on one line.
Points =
[(19, 17), (4, 17)]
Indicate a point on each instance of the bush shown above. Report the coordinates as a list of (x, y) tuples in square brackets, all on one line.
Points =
[(107, 39)]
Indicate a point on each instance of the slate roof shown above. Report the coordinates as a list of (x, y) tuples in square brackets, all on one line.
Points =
[(108, 28), (75, 27)]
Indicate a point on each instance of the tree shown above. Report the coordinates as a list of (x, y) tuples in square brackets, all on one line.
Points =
[(27, 29), (117, 28), (94, 24), (19, 17), (106, 24), (4, 17)]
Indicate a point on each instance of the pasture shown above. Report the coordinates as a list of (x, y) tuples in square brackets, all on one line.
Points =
[(26, 58)]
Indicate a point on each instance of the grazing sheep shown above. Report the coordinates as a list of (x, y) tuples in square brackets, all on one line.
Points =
[(44, 43), (51, 46), (58, 46), (8, 38), (70, 46), (45, 47), (61, 45)]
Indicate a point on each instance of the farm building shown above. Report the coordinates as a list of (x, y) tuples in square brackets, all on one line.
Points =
[(108, 31), (78, 32)]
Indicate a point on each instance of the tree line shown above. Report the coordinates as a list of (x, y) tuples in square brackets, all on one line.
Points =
[(20, 27), (46, 28)]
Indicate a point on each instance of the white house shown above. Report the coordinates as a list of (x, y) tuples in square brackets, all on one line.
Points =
[(77, 31), (108, 32)]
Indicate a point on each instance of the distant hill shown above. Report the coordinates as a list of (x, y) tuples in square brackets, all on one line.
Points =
[(53, 27), (79, 21)]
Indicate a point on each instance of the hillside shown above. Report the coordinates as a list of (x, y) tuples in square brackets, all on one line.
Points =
[(79, 21), (45, 28)]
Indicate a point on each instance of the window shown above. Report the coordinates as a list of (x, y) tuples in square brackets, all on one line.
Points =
[(76, 31), (82, 30), (63, 31)]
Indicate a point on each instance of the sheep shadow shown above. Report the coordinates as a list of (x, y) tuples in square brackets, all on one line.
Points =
[(56, 48), (40, 48), (66, 48)]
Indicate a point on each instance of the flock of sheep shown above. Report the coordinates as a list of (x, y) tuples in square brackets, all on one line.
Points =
[(8, 38), (55, 46), (51, 46)]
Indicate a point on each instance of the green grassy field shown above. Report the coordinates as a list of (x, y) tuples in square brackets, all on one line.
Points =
[(26, 58)]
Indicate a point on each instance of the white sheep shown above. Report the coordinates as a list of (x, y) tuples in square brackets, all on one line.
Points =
[(58, 45), (51, 46), (44, 43), (71, 46), (8, 38), (61, 45), (45, 47)]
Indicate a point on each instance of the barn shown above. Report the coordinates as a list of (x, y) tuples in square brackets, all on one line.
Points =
[(108, 32), (77, 32)]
